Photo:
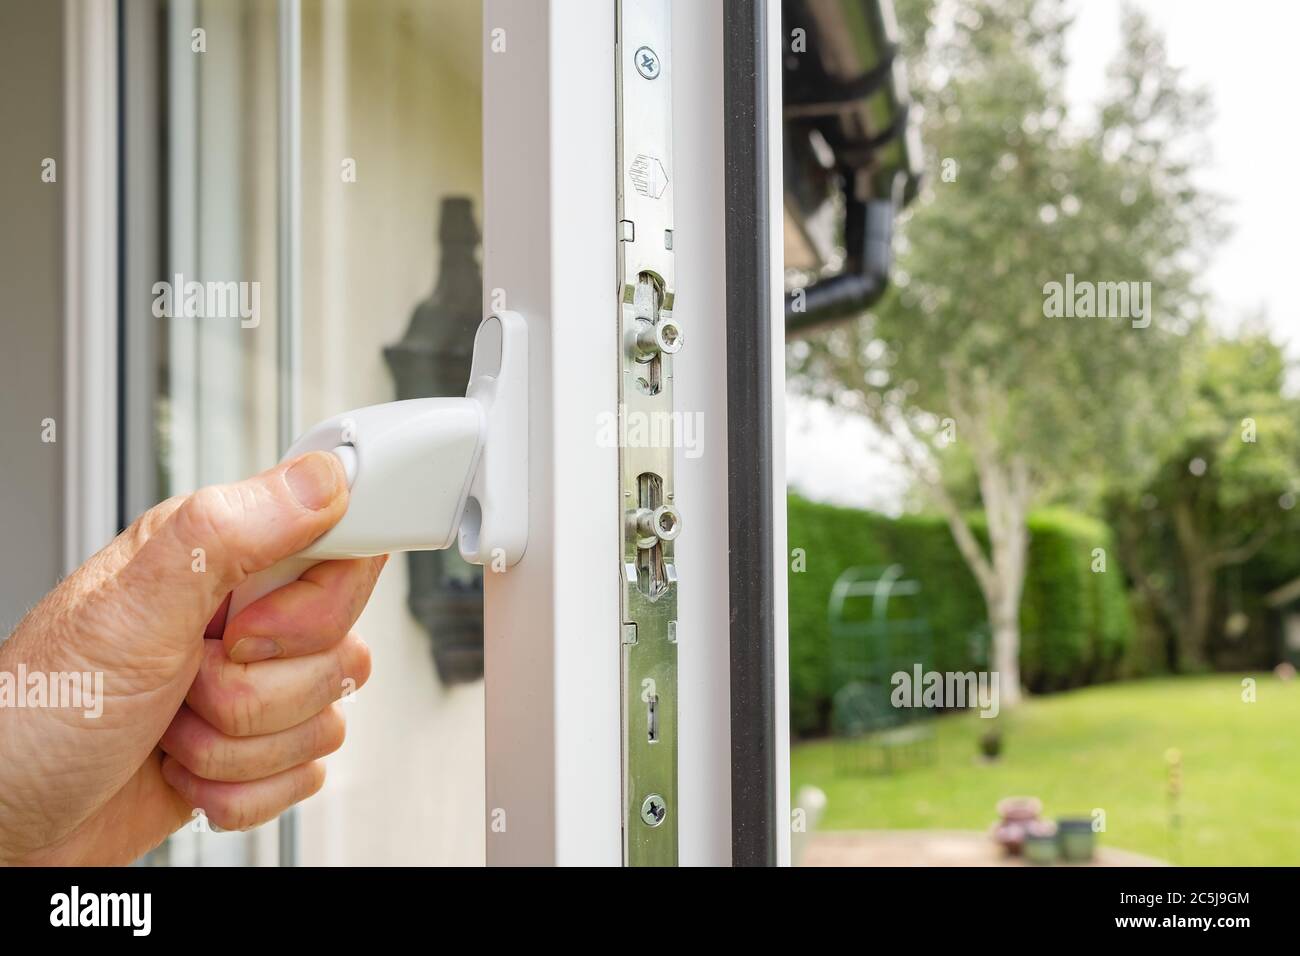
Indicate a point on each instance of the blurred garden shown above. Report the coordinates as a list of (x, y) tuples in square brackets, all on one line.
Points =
[(1101, 490), (1104, 748)]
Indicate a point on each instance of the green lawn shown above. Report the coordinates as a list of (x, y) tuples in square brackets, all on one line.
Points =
[(1104, 747)]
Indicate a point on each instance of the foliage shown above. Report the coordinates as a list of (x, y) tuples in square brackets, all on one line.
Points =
[(1225, 489), (1076, 622)]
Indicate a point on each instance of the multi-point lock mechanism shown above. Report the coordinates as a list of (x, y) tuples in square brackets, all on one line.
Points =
[(425, 472), (650, 338)]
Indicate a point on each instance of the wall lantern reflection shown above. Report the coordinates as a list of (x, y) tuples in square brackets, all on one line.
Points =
[(431, 360)]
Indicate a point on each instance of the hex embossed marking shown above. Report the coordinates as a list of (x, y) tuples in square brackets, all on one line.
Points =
[(648, 176)]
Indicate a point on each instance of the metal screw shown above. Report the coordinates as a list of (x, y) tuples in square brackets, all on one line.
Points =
[(662, 524), (668, 336), (647, 62), (651, 339), (667, 522), (653, 810)]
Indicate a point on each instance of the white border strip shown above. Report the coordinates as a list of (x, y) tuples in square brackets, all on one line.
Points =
[(781, 559), (90, 327), (289, 281)]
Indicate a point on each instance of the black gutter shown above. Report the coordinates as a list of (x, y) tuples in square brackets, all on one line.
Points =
[(863, 118), (749, 435), (838, 97), (869, 227)]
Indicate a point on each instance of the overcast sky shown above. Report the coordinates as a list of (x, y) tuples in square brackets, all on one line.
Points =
[(1245, 53)]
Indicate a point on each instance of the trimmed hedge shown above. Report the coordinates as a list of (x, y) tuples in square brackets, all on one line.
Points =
[(1075, 624)]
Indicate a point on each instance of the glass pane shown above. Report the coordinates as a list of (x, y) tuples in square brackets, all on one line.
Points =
[(217, 412), (392, 185), (215, 297), (390, 179)]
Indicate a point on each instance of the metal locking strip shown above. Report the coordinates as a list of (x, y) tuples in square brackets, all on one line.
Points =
[(648, 338)]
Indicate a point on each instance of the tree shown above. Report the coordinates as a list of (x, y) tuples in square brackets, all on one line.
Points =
[(1225, 488), (963, 365)]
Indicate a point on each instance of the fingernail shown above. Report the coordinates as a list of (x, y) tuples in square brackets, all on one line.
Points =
[(252, 649), (313, 480)]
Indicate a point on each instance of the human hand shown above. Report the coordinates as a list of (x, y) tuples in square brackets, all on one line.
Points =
[(196, 712)]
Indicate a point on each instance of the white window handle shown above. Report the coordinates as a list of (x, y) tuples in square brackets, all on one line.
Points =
[(423, 472)]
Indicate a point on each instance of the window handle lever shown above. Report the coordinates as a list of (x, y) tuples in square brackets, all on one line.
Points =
[(426, 472)]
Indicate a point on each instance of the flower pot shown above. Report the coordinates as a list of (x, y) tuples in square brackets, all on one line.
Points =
[(1077, 840), (1010, 836), (1015, 815), (1040, 842)]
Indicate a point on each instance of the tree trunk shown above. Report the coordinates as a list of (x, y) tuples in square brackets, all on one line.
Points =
[(1004, 489), (1194, 639), (1009, 545), (1005, 493), (1201, 579), (1165, 615), (1004, 618)]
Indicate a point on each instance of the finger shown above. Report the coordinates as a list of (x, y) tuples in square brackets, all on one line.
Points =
[(208, 753), (309, 615), (217, 623), (245, 700), (221, 534), (241, 806)]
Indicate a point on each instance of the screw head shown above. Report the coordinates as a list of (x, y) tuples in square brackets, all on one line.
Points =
[(647, 62), (668, 336), (666, 522), (653, 810)]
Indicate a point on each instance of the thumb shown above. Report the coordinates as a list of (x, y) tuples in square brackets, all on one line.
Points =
[(222, 534)]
